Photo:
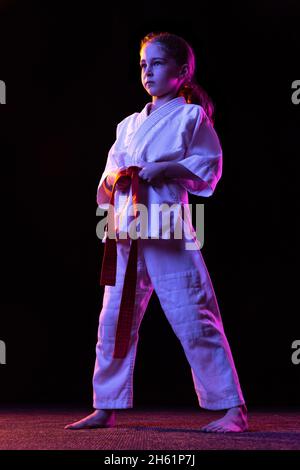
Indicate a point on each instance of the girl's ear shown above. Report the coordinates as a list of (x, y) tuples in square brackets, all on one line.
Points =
[(184, 71)]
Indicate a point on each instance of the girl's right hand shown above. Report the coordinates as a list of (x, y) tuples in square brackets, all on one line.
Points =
[(123, 183)]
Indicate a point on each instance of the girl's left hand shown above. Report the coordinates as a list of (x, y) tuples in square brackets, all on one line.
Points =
[(153, 173)]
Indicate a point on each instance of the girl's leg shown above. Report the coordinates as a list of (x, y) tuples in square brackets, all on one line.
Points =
[(113, 377), (186, 294)]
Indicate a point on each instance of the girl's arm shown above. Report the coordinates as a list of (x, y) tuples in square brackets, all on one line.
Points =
[(109, 181), (157, 172), (175, 170)]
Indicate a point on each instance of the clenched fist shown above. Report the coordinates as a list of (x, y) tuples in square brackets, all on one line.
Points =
[(153, 173), (122, 183)]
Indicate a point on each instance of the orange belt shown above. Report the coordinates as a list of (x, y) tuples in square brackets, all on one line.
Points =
[(109, 268)]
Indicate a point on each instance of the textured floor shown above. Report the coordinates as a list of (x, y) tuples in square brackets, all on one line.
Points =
[(43, 429)]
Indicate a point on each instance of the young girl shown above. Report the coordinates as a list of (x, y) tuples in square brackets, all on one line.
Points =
[(168, 149)]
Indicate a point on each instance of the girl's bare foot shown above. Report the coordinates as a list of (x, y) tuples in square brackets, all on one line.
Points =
[(98, 419), (235, 420)]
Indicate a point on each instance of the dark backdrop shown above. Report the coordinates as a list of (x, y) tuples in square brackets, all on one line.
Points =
[(71, 72)]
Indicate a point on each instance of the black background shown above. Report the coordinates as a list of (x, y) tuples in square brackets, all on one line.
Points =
[(71, 72)]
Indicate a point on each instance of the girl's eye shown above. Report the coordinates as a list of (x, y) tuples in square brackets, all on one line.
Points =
[(155, 63)]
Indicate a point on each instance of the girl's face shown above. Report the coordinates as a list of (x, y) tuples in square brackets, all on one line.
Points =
[(160, 74)]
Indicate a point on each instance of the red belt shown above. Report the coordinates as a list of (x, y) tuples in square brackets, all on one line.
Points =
[(109, 268)]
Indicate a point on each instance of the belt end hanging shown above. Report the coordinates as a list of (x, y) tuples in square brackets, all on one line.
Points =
[(109, 263)]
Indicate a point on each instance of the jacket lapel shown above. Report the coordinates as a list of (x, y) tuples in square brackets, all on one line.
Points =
[(145, 122)]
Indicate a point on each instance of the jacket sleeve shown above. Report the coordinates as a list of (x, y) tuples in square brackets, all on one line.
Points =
[(203, 158), (103, 194)]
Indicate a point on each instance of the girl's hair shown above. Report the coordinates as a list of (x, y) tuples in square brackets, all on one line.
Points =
[(177, 48)]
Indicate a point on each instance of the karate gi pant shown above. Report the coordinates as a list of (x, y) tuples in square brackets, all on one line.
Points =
[(184, 289)]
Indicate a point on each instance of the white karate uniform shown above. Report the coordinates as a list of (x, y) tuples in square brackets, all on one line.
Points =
[(181, 133), (175, 132)]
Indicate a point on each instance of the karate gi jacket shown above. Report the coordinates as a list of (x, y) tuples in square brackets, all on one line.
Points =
[(175, 132)]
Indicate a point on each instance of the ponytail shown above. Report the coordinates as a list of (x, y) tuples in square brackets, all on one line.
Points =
[(194, 93)]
